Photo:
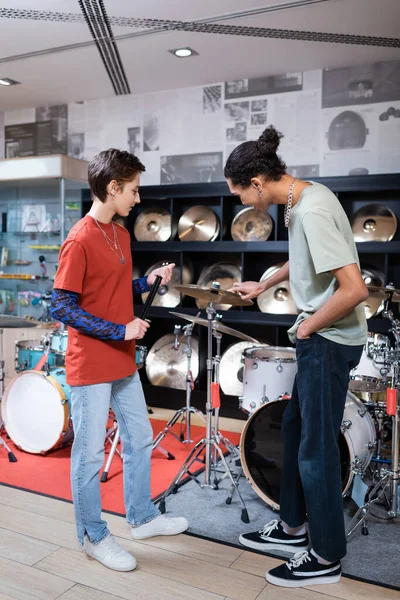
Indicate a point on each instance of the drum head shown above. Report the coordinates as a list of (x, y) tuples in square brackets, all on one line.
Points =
[(33, 411), (261, 451)]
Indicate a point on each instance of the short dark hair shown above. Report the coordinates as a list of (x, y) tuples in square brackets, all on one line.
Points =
[(112, 164), (255, 158)]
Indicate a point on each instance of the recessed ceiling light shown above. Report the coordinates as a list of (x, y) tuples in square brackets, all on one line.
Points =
[(184, 52), (7, 81)]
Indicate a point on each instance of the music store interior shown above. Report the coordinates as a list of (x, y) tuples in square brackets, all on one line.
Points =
[(181, 85)]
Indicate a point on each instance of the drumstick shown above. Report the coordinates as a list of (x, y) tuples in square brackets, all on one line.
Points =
[(150, 297), (43, 359)]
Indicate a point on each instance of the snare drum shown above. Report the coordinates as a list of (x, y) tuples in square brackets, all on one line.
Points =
[(28, 353), (36, 411), (269, 373), (367, 377), (141, 353)]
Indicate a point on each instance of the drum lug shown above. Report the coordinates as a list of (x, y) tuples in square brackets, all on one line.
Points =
[(240, 401), (279, 368), (345, 426), (362, 411), (254, 366), (356, 466), (64, 401), (372, 445)]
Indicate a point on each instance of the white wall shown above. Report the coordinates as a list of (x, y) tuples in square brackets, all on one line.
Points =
[(335, 122)]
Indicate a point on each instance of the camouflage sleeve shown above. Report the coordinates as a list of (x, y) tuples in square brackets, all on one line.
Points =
[(140, 286), (64, 308)]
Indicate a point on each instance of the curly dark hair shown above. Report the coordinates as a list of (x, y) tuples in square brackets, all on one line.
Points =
[(255, 158), (112, 164)]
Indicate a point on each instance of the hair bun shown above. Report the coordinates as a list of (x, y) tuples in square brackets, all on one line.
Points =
[(269, 140)]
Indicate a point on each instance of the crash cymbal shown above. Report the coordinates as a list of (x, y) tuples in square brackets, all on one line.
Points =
[(384, 292), (198, 224), (153, 225), (373, 223), (217, 326), (168, 367), (251, 225), (217, 296), (231, 369), (374, 303), (169, 295), (15, 321), (225, 274), (278, 299)]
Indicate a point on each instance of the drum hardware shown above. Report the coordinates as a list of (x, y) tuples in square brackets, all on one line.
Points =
[(210, 444), (387, 486), (11, 455), (185, 412)]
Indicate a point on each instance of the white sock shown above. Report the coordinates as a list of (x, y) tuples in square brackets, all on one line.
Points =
[(294, 530), (321, 561)]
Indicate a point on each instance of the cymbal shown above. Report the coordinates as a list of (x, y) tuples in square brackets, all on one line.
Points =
[(15, 321), (168, 367), (373, 223), (220, 296), (169, 295), (278, 299), (384, 292), (251, 225), (198, 224), (374, 303), (153, 225), (225, 274), (217, 326), (231, 368)]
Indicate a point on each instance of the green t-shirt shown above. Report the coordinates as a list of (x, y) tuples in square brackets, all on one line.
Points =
[(320, 240)]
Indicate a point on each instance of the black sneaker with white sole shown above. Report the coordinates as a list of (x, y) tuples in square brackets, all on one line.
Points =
[(304, 569), (273, 537)]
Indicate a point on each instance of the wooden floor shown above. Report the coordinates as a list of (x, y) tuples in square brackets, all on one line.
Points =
[(40, 559)]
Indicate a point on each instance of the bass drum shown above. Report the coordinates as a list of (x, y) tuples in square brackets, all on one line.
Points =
[(261, 446)]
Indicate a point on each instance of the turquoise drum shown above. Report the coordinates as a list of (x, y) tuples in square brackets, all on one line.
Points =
[(58, 341), (141, 353), (28, 353)]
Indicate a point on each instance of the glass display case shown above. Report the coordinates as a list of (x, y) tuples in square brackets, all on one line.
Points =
[(40, 200)]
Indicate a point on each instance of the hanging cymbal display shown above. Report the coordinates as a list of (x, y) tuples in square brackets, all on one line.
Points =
[(231, 368), (153, 225), (168, 367), (168, 295), (374, 223), (251, 225), (278, 299), (226, 274), (374, 303), (198, 224)]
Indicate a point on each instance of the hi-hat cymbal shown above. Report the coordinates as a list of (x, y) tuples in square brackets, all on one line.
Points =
[(168, 367), (153, 225), (169, 295), (198, 224), (374, 303), (278, 299), (225, 274), (374, 223), (231, 368), (251, 225), (217, 296), (217, 326), (384, 292)]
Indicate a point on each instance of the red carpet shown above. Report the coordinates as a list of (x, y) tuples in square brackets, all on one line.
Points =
[(49, 474)]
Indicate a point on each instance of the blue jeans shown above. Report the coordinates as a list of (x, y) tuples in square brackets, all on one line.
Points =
[(311, 486), (90, 407)]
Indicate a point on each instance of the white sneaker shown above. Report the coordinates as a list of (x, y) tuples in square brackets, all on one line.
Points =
[(161, 525), (110, 554)]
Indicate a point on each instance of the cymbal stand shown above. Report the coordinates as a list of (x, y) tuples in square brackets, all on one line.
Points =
[(211, 443), (390, 478), (186, 411), (11, 455)]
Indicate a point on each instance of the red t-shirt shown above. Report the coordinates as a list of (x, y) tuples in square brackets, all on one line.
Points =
[(88, 267)]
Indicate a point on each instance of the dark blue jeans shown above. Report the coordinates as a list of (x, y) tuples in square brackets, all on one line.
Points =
[(311, 487)]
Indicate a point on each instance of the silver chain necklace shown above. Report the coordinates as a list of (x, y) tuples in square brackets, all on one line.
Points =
[(288, 207), (111, 243)]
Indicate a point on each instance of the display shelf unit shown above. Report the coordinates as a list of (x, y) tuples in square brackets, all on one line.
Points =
[(40, 200), (254, 259)]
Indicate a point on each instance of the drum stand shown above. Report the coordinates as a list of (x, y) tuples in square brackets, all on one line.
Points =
[(390, 478), (210, 445), (11, 455), (187, 410)]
